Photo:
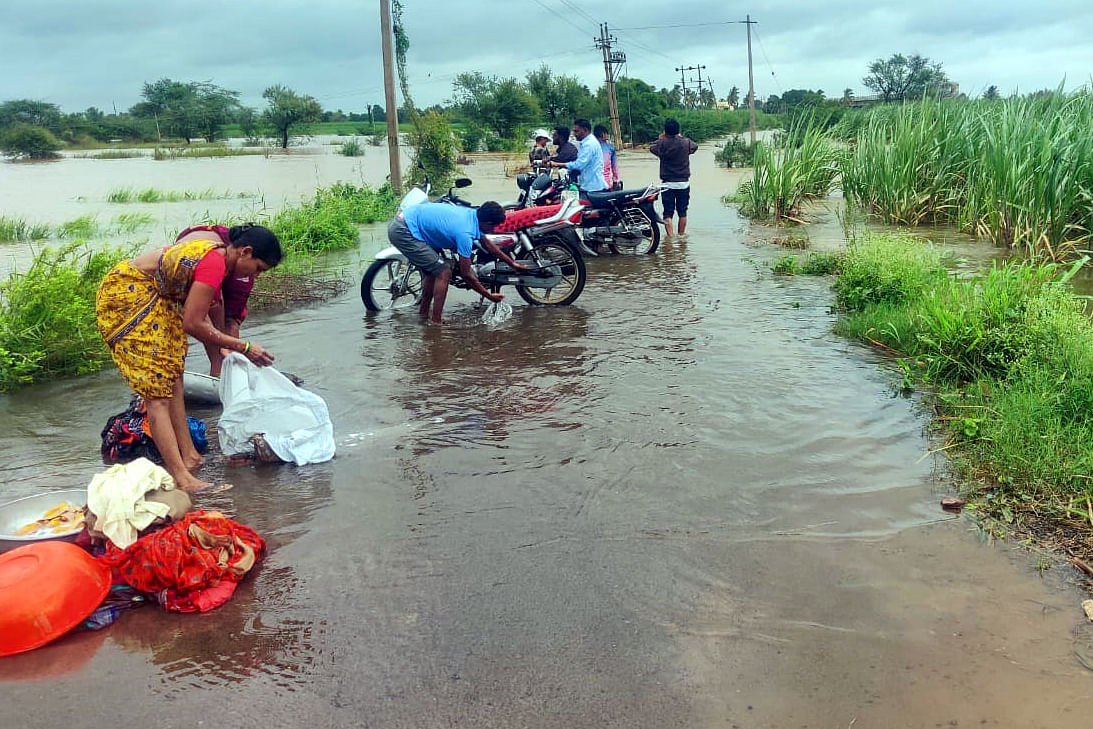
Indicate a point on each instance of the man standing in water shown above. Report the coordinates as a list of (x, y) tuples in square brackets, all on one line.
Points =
[(420, 232), (675, 173)]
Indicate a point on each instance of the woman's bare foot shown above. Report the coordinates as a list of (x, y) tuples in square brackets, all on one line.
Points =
[(191, 484), (193, 463)]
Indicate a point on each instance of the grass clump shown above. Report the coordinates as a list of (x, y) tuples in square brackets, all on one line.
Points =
[(47, 315), (329, 222), (131, 222), (168, 153), (18, 229), (352, 148), (152, 195), (85, 226), (802, 165), (1008, 354), (814, 264)]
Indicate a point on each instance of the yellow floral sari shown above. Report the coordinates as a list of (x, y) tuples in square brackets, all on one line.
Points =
[(140, 317)]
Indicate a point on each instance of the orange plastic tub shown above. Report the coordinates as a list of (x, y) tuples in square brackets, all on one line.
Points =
[(46, 589)]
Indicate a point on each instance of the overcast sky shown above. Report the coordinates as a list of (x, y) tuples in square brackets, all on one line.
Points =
[(77, 53)]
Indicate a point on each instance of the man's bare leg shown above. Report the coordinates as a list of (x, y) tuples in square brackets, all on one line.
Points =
[(163, 433), (682, 225), (668, 227), (427, 284), (440, 293)]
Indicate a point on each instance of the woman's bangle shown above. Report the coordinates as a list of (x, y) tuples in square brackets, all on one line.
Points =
[(246, 347)]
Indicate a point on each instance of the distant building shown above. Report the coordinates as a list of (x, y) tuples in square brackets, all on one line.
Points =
[(724, 106)]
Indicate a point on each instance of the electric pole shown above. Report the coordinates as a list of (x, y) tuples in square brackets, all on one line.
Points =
[(683, 80), (751, 79), (389, 91), (612, 63)]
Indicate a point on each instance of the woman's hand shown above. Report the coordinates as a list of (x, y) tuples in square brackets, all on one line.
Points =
[(258, 355)]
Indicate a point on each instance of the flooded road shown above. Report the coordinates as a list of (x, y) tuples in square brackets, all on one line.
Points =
[(680, 502)]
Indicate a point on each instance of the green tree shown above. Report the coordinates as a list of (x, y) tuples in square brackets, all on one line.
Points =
[(641, 109), (435, 149), (848, 95), (34, 113), (905, 77), (289, 111), (561, 98), (248, 121), (706, 98), (216, 107), (992, 93), (734, 97), (802, 97), (26, 141), (499, 104), (186, 109)]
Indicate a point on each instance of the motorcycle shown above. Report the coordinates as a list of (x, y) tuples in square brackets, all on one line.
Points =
[(544, 239), (625, 220)]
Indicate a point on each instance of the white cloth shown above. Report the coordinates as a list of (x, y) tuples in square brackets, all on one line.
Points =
[(116, 498), (676, 185), (260, 400)]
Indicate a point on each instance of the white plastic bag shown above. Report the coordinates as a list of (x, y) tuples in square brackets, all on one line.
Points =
[(294, 422), (497, 312)]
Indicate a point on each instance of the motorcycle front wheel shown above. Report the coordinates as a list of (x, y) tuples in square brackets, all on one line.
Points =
[(391, 285), (640, 223), (562, 260)]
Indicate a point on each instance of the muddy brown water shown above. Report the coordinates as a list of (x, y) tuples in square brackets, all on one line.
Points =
[(680, 502)]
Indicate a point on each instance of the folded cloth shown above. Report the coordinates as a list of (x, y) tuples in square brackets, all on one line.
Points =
[(116, 498)]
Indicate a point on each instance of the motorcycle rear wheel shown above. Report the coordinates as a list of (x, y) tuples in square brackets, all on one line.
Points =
[(650, 240), (553, 252), (391, 285)]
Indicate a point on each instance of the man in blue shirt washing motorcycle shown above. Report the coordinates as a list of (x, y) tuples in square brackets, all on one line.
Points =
[(420, 232)]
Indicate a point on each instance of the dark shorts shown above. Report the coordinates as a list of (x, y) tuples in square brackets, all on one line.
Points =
[(420, 253), (676, 200)]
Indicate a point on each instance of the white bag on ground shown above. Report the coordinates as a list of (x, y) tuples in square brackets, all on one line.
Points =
[(294, 422)]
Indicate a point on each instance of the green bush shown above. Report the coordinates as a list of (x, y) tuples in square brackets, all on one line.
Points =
[(25, 141), (352, 148), (1009, 354), (886, 269), (329, 222), (735, 152), (47, 315)]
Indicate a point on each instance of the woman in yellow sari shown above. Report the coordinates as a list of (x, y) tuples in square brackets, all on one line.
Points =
[(147, 306)]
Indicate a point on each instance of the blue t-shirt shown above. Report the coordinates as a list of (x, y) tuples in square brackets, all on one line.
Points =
[(444, 226)]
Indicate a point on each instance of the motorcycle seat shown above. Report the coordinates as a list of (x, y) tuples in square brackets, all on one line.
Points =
[(519, 219), (598, 198)]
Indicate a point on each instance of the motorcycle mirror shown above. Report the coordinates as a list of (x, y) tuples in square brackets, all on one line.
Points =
[(463, 182)]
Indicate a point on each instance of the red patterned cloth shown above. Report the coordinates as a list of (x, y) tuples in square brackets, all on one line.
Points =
[(518, 219), (187, 557)]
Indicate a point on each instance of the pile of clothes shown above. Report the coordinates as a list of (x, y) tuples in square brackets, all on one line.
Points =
[(160, 551), (127, 436)]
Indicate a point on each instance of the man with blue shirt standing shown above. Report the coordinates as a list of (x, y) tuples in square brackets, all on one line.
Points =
[(589, 162), (421, 231)]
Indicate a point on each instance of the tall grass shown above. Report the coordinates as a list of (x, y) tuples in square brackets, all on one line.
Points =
[(352, 148), (1008, 353), (1018, 171), (131, 222), (85, 226), (152, 195), (329, 222), (801, 165), (167, 153), (18, 229), (47, 315)]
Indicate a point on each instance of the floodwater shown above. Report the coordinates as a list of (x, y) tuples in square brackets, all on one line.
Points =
[(680, 502)]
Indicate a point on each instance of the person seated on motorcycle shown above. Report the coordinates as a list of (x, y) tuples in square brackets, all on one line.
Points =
[(540, 153), (564, 151), (589, 162), (421, 231)]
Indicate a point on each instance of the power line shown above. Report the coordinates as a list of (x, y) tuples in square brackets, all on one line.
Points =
[(764, 52), (553, 14), (681, 25)]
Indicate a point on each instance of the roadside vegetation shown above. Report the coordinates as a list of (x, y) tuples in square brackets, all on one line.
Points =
[(1008, 358), (47, 315)]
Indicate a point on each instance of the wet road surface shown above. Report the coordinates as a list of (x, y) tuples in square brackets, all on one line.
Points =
[(680, 502)]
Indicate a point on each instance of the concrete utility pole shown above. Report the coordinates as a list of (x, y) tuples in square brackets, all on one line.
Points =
[(389, 91), (611, 59), (751, 79)]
